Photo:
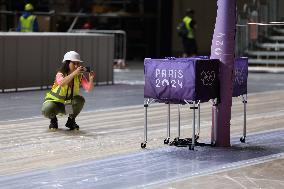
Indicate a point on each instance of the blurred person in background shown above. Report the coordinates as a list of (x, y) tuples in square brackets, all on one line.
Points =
[(64, 96), (188, 39), (28, 22)]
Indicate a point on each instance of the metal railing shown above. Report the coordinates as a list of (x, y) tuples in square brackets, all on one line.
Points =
[(258, 34), (119, 41)]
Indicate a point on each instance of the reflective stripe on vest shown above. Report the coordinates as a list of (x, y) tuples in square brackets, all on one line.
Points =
[(187, 20), (27, 23), (58, 94)]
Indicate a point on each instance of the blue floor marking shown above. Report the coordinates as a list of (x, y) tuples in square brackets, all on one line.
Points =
[(149, 167)]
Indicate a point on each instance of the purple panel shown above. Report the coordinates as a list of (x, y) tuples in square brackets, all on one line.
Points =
[(169, 80), (240, 76), (207, 79), (180, 79)]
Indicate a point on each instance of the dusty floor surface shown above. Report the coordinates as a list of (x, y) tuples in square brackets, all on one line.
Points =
[(27, 144)]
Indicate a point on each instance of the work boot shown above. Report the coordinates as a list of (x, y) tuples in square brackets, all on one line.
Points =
[(53, 124), (71, 124)]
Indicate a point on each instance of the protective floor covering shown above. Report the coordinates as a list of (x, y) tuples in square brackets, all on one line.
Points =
[(153, 166)]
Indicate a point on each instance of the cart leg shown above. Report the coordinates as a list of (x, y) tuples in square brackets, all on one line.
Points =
[(198, 122), (146, 104), (214, 127), (167, 140), (178, 121), (191, 147), (193, 128), (243, 138), (176, 140)]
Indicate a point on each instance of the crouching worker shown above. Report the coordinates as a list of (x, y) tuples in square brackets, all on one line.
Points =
[(64, 96)]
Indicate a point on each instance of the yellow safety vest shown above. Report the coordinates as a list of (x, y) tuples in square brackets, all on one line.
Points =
[(187, 20), (27, 23), (58, 94)]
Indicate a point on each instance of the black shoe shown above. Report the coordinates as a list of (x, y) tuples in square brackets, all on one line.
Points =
[(53, 124), (71, 124)]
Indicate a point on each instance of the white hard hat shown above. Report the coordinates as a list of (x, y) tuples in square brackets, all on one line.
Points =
[(72, 56)]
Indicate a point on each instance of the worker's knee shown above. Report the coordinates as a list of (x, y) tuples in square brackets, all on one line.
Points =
[(78, 101), (49, 110)]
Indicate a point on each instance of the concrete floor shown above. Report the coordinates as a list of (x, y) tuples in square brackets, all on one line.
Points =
[(111, 132)]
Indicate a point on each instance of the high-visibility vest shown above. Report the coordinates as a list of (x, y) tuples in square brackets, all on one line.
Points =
[(58, 94), (27, 23), (187, 20)]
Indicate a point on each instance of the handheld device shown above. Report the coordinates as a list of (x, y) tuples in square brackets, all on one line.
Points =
[(87, 69)]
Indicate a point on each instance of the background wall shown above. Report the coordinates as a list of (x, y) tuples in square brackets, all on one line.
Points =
[(32, 59), (280, 10)]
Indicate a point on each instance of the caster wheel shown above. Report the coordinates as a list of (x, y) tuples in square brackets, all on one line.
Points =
[(143, 145), (191, 147), (173, 143), (243, 139), (196, 137), (166, 141), (213, 144)]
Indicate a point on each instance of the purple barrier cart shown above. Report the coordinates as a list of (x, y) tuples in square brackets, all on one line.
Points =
[(240, 86), (189, 81), (180, 81)]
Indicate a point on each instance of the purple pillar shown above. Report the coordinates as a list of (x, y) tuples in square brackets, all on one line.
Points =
[(223, 48)]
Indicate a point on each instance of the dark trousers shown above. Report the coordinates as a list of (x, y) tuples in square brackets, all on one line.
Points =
[(189, 46), (50, 109)]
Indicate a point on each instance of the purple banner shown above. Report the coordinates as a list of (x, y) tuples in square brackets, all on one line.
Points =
[(223, 48), (240, 76), (176, 80)]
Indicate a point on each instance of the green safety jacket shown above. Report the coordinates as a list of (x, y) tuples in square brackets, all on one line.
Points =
[(27, 23), (59, 94), (187, 20)]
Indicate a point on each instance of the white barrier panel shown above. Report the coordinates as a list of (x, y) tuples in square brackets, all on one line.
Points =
[(32, 59)]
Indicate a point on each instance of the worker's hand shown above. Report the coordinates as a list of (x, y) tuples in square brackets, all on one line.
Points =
[(79, 70), (91, 76)]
